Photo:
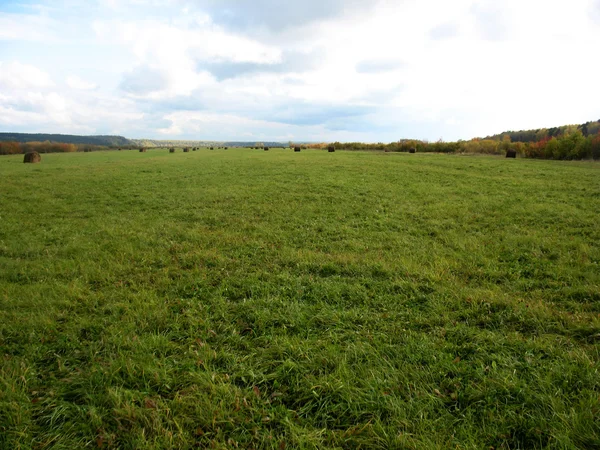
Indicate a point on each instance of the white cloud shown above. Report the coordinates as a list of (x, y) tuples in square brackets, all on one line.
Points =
[(27, 27), (174, 51), (33, 108), (230, 126), (74, 82), (15, 75), (29, 98)]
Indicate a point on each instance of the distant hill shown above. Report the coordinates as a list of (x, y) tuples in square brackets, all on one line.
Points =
[(110, 141), (587, 129)]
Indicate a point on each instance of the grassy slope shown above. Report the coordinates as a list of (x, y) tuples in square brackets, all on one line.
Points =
[(298, 300)]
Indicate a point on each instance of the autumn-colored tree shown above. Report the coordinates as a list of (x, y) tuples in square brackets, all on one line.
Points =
[(505, 145), (10, 148)]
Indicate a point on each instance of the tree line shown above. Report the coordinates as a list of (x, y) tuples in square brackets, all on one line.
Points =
[(572, 143), (540, 134), (568, 142), (16, 148), (101, 140)]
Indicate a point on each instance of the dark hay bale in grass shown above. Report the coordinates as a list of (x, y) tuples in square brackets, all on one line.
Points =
[(142, 150), (186, 150), (412, 150), (266, 149), (171, 150), (225, 148), (212, 148), (32, 157), (296, 149), (331, 149), (511, 154)]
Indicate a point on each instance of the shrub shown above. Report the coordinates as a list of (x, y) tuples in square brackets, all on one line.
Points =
[(10, 148), (48, 147)]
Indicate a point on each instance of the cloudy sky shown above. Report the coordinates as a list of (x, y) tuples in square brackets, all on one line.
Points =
[(314, 70)]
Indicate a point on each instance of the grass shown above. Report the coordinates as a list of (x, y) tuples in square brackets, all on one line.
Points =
[(279, 300)]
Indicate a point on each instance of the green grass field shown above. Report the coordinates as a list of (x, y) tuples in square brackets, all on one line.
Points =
[(279, 300)]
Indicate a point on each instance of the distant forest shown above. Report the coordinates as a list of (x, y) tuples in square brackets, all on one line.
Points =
[(565, 142), (568, 142), (586, 129), (106, 141)]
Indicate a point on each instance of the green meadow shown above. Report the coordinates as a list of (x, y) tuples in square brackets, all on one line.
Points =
[(313, 300)]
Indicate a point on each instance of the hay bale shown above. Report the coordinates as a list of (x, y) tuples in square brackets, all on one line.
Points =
[(32, 157), (511, 153), (331, 149), (142, 150), (296, 149), (171, 150), (225, 148), (212, 148), (186, 150), (266, 149), (412, 150)]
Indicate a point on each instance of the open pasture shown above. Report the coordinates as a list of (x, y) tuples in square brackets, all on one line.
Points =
[(252, 299)]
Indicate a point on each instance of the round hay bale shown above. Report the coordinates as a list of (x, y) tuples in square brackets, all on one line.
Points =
[(142, 150), (171, 150), (225, 148), (186, 150), (32, 157), (511, 154), (412, 150), (331, 149), (296, 149), (212, 148), (266, 149)]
